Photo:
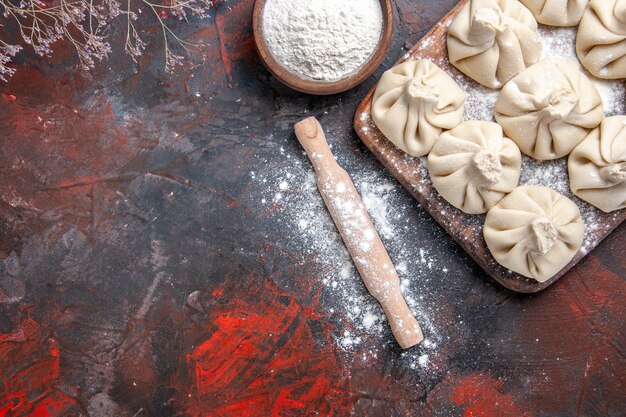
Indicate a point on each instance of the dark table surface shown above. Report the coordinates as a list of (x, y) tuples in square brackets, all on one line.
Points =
[(164, 252)]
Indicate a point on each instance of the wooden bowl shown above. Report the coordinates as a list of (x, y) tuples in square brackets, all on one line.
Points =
[(309, 85)]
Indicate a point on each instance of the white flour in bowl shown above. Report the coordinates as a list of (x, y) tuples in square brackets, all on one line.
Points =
[(322, 39)]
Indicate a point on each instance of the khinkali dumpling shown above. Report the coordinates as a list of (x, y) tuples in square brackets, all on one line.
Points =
[(557, 12), (414, 102), (597, 167), (601, 39), (534, 231), (473, 166), (493, 40), (549, 108)]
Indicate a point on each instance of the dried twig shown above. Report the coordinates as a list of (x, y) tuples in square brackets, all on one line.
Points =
[(84, 24)]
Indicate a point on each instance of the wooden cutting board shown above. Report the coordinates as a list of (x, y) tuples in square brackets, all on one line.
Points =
[(464, 228)]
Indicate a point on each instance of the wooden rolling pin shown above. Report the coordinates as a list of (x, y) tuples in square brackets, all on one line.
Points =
[(358, 233)]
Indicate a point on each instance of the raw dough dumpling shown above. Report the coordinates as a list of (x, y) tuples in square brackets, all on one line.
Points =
[(597, 167), (414, 102), (549, 108), (491, 41), (557, 12), (473, 166), (534, 231), (601, 39)]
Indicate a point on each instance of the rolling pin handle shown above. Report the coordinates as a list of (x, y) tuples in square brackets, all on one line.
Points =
[(311, 136), (404, 325), (309, 127)]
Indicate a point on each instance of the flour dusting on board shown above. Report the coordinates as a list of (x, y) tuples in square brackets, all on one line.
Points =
[(557, 43), (561, 43), (479, 105)]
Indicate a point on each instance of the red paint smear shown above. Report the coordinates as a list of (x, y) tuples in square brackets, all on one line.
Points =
[(588, 309), (69, 161), (30, 374), (592, 287), (481, 396), (8, 97), (235, 44), (263, 359), (218, 292)]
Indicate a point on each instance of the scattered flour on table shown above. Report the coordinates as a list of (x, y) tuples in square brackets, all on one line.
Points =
[(292, 198)]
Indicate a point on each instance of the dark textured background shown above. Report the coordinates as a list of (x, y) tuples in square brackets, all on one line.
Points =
[(142, 276)]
